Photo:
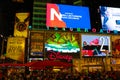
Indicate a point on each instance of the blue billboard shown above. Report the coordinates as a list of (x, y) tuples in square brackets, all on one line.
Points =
[(67, 16)]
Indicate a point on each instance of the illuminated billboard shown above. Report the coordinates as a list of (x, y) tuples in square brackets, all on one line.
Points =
[(95, 45), (116, 46), (62, 42), (110, 18), (66, 16), (21, 24), (16, 48), (36, 43)]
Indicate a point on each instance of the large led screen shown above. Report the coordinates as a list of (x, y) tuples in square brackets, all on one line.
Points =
[(116, 46), (62, 42), (110, 18), (95, 45), (66, 16)]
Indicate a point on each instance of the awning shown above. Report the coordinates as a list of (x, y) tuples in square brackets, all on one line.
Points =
[(46, 63)]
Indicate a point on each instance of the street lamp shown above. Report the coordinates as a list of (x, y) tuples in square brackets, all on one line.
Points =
[(2, 46), (2, 49)]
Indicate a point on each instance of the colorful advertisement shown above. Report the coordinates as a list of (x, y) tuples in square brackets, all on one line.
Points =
[(21, 24), (110, 18), (96, 45), (16, 48), (66, 16), (62, 42), (37, 43), (116, 46)]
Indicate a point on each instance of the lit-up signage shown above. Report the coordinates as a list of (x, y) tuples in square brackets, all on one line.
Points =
[(36, 44), (21, 24), (66, 16), (115, 46), (57, 56), (96, 45), (62, 42), (110, 18), (16, 48)]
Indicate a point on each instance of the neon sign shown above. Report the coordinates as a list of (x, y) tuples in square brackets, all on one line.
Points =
[(57, 55)]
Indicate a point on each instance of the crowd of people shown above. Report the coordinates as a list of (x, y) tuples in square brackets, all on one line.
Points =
[(51, 75)]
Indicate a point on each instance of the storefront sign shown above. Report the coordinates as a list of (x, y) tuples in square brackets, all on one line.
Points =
[(57, 55)]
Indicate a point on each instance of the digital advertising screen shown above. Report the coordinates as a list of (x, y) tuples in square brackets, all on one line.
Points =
[(95, 45), (110, 18), (115, 46), (67, 16), (62, 42)]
